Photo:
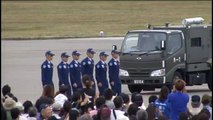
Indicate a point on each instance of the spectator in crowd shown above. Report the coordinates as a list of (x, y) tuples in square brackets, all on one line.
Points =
[(160, 103), (142, 115), (206, 100), (9, 104), (15, 112), (132, 111), (48, 91), (195, 103), (27, 104), (104, 113), (108, 94), (21, 109), (89, 91), (138, 100), (117, 112), (65, 110), (178, 100), (85, 117), (151, 109), (6, 89), (46, 111), (32, 112), (56, 107), (101, 73), (62, 96), (126, 100), (98, 103), (74, 114), (183, 116), (77, 101)]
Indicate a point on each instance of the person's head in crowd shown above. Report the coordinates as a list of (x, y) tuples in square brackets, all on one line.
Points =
[(77, 97), (103, 56), (104, 113), (195, 101), (15, 112), (9, 103), (108, 94), (180, 85), (162, 117), (46, 111), (52, 118), (48, 91), (204, 113), (6, 89), (206, 99), (86, 81), (141, 115), (85, 117), (99, 102), (183, 116), (132, 110), (67, 106), (63, 89), (56, 107), (118, 102), (76, 55), (27, 104), (152, 99), (43, 100), (163, 93), (137, 99), (32, 111), (125, 98), (49, 55), (74, 114)]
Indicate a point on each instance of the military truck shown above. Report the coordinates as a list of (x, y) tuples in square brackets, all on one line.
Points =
[(159, 55)]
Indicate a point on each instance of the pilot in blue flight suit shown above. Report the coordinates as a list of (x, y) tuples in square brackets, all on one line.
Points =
[(114, 66), (88, 65), (101, 73), (75, 72), (47, 70), (63, 72)]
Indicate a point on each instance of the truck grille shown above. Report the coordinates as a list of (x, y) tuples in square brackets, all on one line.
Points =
[(139, 73)]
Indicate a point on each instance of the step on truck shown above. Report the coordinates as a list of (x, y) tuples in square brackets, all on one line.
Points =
[(157, 56)]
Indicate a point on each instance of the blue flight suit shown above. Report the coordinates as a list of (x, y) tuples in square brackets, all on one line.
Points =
[(75, 75), (114, 66), (101, 77), (87, 68), (63, 76), (47, 73)]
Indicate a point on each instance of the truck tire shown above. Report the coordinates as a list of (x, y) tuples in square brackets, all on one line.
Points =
[(209, 79), (135, 88), (177, 75)]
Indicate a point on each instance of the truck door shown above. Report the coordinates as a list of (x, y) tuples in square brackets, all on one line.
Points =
[(175, 54)]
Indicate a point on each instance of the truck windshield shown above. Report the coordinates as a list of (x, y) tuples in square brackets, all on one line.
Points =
[(143, 42)]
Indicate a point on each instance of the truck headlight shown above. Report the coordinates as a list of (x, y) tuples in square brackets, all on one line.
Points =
[(160, 72), (123, 72)]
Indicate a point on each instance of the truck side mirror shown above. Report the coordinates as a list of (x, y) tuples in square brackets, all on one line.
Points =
[(114, 47), (163, 45)]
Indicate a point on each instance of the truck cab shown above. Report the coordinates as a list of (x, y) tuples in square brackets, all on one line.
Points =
[(155, 57)]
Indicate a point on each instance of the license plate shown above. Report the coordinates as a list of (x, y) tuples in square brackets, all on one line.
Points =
[(138, 81)]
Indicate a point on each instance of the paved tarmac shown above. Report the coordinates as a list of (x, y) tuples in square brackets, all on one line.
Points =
[(22, 59)]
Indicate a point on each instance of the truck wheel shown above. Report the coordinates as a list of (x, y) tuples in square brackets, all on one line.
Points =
[(135, 88), (209, 79)]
